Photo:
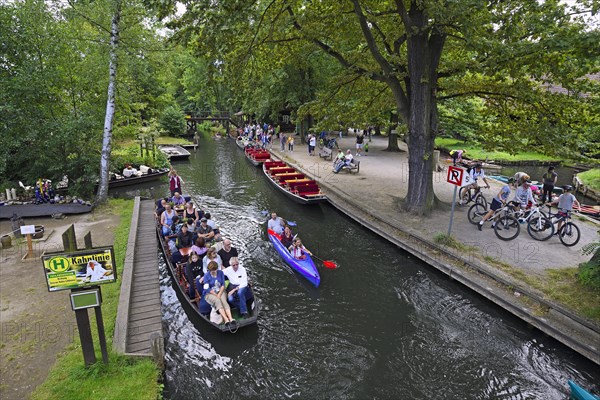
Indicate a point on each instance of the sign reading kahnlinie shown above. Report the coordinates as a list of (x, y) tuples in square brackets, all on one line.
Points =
[(80, 269)]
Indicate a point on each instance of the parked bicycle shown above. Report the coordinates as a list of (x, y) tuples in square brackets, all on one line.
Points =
[(330, 143)]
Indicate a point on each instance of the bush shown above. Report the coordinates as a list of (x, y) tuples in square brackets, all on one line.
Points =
[(589, 272), (172, 121)]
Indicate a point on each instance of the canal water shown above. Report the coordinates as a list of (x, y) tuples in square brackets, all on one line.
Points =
[(381, 326)]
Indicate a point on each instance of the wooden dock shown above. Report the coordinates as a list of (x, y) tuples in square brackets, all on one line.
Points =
[(138, 329)]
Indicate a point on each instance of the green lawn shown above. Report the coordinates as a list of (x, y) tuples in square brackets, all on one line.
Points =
[(172, 140), (591, 178), (476, 152), (124, 377)]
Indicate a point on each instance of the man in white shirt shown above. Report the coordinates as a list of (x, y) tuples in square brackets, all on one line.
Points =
[(95, 272), (275, 224), (238, 285), (129, 171)]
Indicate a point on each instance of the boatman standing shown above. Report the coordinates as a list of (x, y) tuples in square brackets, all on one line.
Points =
[(275, 224)]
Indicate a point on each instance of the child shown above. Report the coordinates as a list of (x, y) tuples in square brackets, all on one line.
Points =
[(366, 148), (298, 251)]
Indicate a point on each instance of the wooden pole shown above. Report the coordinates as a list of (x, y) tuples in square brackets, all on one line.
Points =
[(29, 246)]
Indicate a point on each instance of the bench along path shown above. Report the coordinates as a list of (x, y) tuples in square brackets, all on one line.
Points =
[(139, 318)]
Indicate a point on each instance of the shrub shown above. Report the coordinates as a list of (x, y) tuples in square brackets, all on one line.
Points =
[(172, 121)]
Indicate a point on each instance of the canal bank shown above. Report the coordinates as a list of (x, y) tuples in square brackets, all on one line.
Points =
[(372, 198)]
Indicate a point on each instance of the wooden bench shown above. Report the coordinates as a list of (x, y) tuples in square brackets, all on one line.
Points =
[(275, 164), (283, 170), (300, 182), (288, 177), (326, 153), (353, 167)]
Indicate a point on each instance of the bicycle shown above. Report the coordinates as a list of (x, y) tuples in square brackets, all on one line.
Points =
[(465, 196), (569, 233), (330, 143), (506, 226)]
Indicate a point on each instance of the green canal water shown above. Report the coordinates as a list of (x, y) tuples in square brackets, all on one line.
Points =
[(381, 326)]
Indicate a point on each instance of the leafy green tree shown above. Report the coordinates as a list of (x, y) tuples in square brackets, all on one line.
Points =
[(423, 51), (172, 121)]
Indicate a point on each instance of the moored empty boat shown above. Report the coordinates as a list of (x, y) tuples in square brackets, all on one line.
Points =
[(174, 152), (292, 183), (257, 155)]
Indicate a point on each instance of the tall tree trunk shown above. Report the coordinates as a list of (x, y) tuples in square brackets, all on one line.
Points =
[(424, 51), (102, 194), (393, 137)]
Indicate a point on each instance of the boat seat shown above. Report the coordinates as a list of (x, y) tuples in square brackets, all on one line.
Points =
[(294, 184), (276, 171), (289, 177), (275, 164)]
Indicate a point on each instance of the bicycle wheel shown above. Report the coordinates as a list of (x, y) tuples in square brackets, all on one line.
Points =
[(569, 234), (540, 228), (464, 195), (476, 213), (507, 228), (480, 199)]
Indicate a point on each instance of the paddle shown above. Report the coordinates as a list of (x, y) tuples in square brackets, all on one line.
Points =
[(327, 263)]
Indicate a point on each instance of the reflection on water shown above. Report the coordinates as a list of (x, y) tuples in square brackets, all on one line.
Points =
[(380, 326)]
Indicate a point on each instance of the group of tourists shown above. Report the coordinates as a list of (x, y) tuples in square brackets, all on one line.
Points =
[(526, 195), (292, 242), (212, 267)]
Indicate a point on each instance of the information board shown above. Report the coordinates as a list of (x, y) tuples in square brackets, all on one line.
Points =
[(80, 269)]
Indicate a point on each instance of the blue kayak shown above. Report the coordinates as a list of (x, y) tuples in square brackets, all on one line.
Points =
[(579, 393), (305, 267)]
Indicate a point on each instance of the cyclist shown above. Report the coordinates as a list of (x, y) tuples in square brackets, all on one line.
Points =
[(497, 203), (565, 205), (524, 195), (476, 173)]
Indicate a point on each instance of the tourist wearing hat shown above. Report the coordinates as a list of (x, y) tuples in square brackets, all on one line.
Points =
[(565, 204), (524, 195), (204, 231)]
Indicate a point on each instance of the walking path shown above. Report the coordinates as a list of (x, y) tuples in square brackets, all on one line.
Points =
[(373, 197)]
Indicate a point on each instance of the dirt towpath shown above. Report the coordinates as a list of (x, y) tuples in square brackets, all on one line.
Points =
[(36, 325)]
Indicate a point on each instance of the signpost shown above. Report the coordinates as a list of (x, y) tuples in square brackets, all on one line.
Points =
[(82, 272), (459, 178), (28, 230)]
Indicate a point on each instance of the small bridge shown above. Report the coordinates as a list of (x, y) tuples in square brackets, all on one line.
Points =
[(193, 118)]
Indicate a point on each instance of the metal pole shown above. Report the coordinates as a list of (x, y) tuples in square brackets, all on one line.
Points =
[(452, 212)]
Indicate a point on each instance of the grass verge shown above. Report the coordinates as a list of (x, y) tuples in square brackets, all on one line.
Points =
[(450, 241), (560, 285), (591, 178), (124, 377), (474, 151)]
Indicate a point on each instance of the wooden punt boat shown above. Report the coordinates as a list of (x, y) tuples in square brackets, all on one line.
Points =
[(241, 142), (305, 267), (174, 152), (200, 315), (134, 180), (256, 155), (292, 183), (579, 393), (43, 210)]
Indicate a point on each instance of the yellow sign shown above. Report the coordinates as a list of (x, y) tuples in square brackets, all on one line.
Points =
[(80, 269)]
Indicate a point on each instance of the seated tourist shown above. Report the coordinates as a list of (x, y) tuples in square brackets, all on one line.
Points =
[(193, 269), (178, 199), (205, 231), (287, 237), (209, 221), (184, 237), (166, 219), (227, 252), (191, 212), (213, 291), (298, 251), (238, 286), (174, 229), (211, 255), (348, 160), (275, 224), (199, 247), (160, 207), (129, 171)]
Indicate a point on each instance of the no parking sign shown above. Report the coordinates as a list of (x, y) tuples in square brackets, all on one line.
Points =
[(458, 176)]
